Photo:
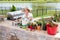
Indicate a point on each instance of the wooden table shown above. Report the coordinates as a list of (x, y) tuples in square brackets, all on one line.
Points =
[(6, 30)]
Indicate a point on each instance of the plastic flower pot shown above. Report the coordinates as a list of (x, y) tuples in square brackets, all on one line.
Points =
[(39, 26), (51, 30), (30, 27), (44, 27), (34, 27)]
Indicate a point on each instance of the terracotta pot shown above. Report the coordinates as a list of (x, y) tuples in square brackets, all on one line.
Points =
[(38, 28), (51, 30)]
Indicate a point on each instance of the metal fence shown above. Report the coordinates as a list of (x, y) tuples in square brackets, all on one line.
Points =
[(3, 10), (44, 12), (36, 11)]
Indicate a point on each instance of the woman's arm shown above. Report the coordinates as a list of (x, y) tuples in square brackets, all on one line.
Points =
[(31, 16)]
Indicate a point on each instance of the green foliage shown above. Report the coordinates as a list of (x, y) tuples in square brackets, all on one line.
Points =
[(57, 17), (13, 8), (52, 24), (39, 23), (38, 11)]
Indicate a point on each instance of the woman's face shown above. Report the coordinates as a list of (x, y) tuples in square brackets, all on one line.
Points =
[(26, 11)]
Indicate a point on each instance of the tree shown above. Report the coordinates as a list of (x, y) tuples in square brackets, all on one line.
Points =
[(13, 8)]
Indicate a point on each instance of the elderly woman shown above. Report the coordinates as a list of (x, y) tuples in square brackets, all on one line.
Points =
[(27, 17)]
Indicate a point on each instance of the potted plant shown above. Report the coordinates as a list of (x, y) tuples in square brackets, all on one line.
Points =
[(58, 18), (39, 24), (44, 25), (30, 24), (51, 28), (20, 25), (34, 26)]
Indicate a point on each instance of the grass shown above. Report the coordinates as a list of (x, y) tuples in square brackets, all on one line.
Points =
[(4, 12)]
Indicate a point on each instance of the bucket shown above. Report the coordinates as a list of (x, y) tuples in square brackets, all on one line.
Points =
[(51, 30)]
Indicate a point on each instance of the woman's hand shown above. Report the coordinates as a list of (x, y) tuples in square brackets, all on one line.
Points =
[(27, 17), (30, 18)]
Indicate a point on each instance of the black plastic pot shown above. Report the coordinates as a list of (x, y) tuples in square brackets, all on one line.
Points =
[(44, 27)]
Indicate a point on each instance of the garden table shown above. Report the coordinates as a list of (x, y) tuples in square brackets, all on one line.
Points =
[(7, 30)]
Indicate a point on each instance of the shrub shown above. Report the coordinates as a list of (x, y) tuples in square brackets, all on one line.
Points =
[(13, 8)]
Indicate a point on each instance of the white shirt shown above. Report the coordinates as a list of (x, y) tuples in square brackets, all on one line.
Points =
[(25, 20), (29, 16)]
